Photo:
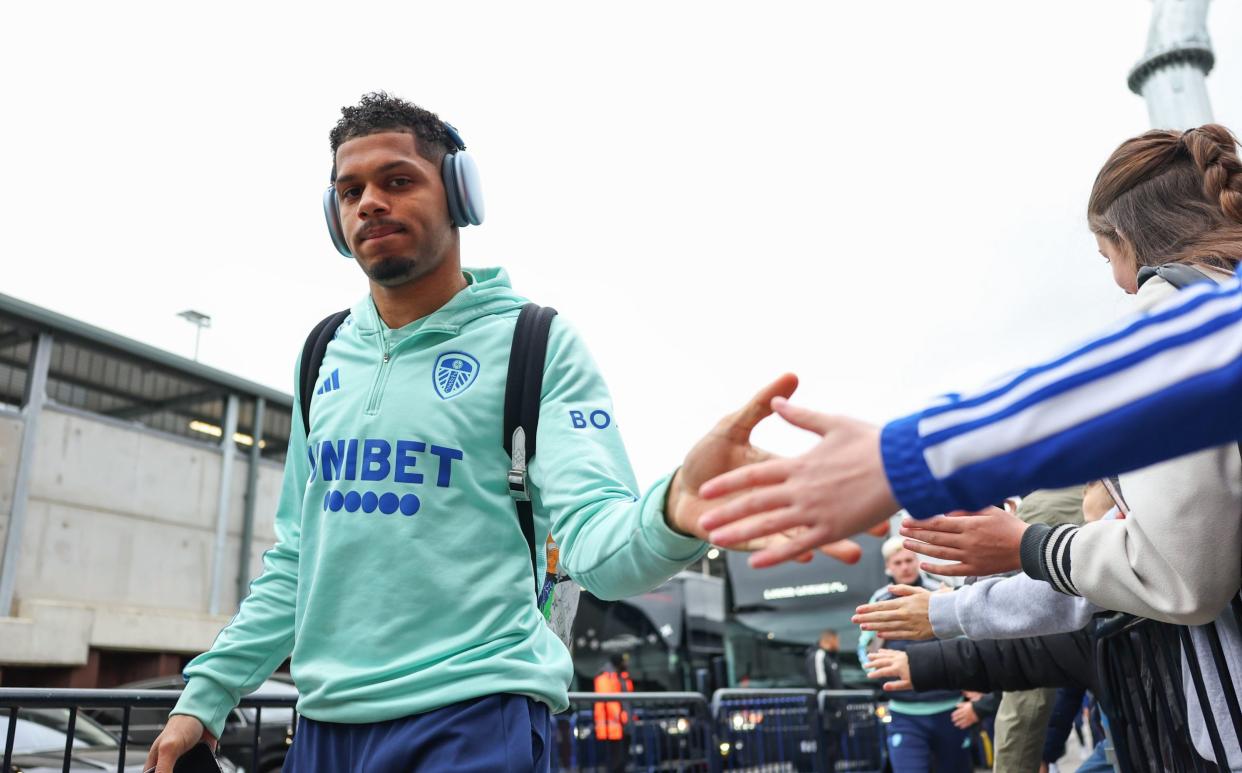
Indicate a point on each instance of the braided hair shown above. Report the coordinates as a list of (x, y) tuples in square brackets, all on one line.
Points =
[(1173, 197)]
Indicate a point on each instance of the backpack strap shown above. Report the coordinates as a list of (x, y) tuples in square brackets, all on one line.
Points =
[(1179, 275), (312, 357), (523, 390)]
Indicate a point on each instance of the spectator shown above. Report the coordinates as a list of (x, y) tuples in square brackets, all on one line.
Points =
[(1021, 606), (922, 733), (1022, 718), (611, 718), (822, 664)]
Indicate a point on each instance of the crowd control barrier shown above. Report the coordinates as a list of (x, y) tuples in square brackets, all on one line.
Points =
[(853, 733), (679, 732), (59, 711), (634, 731), (1149, 669), (768, 730)]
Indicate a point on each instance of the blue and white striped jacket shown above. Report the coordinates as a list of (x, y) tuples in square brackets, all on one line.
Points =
[(1154, 386)]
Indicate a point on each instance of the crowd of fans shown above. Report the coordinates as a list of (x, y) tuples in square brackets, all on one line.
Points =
[(1115, 600)]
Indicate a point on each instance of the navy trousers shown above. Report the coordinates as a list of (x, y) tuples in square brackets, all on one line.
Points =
[(495, 734), (918, 744)]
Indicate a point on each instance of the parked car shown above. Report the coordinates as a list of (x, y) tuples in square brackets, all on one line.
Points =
[(39, 744), (237, 740)]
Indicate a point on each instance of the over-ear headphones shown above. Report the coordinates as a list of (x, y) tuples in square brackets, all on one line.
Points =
[(462, 187)]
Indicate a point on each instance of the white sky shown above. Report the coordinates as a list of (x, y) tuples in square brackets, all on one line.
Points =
[(886, 198)]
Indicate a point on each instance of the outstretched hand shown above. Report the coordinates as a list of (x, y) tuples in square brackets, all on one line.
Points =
[(727, 447), (893, 665), (984, 543), (904, 617), (833, 491)]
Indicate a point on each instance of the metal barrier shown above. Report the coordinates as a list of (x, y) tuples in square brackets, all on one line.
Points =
[(768, 730), (17, 703), (648, 731), (1149, 669), (741, 730), (853, 732)]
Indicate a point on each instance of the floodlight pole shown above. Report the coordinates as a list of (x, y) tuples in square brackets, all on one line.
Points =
[(199, 320), (1172, 75)]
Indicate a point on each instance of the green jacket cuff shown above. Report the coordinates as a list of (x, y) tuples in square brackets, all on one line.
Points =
[(207, 702), (662, 540)]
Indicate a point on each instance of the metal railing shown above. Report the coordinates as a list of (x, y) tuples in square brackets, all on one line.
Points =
[(651, 731), (854, 736), (738, 730), (14, 699), (768, 730)]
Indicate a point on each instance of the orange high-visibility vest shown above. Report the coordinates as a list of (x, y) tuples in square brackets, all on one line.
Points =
[(610, 718)]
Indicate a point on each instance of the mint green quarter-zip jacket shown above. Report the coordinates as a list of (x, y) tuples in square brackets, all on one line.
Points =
[(400, 581)]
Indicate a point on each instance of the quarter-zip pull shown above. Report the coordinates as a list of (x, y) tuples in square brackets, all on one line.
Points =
[(386, 356)]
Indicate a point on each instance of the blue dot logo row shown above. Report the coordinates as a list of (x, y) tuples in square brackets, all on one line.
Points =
[(369, 502)]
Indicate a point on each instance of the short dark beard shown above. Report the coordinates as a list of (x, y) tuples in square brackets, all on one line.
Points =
[(395, 271)]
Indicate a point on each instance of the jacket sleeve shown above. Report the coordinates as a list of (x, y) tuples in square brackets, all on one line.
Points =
[(1059, 660), (260, 637), (1175, 558), (1154, 563), (1131, 397), (1064, 712), (1007, 608), (613, 540)]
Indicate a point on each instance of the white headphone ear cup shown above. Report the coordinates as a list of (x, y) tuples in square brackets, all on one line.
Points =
[(470, 188), (452, 195), (332, 214)]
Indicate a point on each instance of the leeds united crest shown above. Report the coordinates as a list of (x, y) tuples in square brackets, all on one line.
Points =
[(454, 373)]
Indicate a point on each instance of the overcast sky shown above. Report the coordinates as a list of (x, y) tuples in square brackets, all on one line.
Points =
[(886, 198)]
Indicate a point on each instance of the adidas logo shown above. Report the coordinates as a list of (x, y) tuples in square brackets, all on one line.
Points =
[(331, 383)]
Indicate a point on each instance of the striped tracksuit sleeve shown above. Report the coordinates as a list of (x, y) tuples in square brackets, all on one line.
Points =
[(1155, 386)]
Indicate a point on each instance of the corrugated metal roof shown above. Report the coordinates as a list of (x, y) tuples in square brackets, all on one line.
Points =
[(62, 327)]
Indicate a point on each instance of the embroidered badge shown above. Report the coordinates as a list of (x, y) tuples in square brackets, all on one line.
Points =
[(454, 373)]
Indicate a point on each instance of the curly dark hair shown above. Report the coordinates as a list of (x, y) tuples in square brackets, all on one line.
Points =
[(379, 111)]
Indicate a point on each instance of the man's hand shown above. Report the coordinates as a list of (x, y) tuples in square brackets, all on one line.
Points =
[(986, 542), (894, 664), (905, 617), (833, 491), (964, 715), (178, 736), (728, 447)]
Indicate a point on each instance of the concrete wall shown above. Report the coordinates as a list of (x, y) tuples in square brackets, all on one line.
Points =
[(10, 447), (120, 529)]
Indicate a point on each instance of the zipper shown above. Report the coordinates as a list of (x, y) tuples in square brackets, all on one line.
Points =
[(387, 354), (381, 376)]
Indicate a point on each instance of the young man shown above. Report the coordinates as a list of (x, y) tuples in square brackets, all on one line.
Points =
[(923, 734), (822, 665), (401, 584)]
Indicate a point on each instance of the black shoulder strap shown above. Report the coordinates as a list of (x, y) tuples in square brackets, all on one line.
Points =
[(1177, 274), (522, 395), (312, 357)]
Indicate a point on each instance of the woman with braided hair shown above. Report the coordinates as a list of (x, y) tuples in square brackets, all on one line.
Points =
[(1169, 197), (1166, 210), (1165, 202)]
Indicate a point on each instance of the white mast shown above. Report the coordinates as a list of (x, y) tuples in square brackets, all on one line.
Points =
[(1172, 75)]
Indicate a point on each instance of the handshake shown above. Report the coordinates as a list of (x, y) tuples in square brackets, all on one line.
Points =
[(743, 498)]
